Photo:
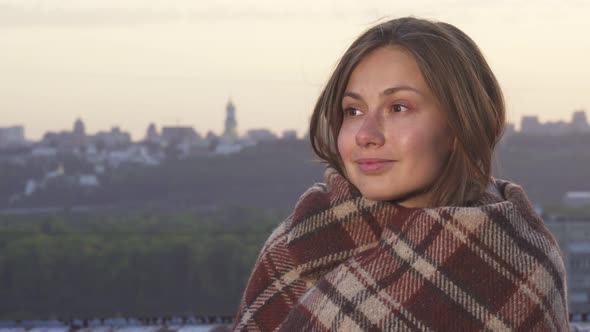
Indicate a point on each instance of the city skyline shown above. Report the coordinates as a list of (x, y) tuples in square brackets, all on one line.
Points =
[(243, 131), (528, 124), (131, 63)]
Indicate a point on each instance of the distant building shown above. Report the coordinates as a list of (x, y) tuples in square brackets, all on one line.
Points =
[(78, 135), (134, 154), (509, 129), (152, 135), (530, 125), (99, 169), (44, 151), (556, 128), (227, 148), (212, 141), (91, 149), (576, 198), (67, 141), (573, 237), (261, 135), (88, 180), (12, 136), (580, 122), (79, 128), (30, 187), (15, 155), (289, 134), (177, 135), (231, 124), (211, 136), (58, 172), (114, 138)]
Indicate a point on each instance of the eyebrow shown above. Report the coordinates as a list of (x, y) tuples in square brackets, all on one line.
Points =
[(385, 92)]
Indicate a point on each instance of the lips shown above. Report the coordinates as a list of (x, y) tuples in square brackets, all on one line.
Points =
[(374, 165)]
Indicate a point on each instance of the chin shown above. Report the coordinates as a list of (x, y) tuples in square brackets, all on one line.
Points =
[(378, 196), (406, 199)]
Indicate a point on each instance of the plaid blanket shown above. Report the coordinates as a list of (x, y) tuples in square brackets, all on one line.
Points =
[(341, 262)]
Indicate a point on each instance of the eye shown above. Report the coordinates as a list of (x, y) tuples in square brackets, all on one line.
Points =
[(397, 108), (351, 111)]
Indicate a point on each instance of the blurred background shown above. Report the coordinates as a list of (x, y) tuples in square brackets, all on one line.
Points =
[(148, 148)]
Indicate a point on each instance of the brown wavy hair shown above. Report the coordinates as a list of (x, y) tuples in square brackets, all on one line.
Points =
[(459, 76)]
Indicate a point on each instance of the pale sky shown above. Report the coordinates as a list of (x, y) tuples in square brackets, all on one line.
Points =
[(128, 63)]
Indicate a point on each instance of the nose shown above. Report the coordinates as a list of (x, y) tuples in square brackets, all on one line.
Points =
[(370, 133)]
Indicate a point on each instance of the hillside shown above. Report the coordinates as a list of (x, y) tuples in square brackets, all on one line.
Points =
[(274, 174)]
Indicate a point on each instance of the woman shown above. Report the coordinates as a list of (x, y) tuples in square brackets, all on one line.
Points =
[(410, 231)]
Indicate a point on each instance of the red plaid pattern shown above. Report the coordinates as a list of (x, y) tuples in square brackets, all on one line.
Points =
[(341, 262)]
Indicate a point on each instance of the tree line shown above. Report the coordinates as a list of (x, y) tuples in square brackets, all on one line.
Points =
[(125, 264)]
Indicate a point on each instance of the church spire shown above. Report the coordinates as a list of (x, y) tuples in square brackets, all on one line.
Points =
[(231, 123)]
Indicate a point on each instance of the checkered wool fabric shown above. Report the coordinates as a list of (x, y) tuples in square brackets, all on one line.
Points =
[(341, 262)]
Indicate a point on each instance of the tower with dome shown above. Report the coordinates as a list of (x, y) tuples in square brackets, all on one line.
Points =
[(231, 124)]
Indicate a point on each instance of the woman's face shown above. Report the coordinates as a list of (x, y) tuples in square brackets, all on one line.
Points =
[(394, 140)]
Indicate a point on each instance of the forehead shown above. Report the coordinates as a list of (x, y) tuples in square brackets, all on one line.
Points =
[(385, 67)]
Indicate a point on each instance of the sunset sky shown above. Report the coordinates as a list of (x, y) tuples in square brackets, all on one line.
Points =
[(176, 62)]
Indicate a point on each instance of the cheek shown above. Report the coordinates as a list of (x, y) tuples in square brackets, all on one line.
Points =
[(426, 148), (345, 142)]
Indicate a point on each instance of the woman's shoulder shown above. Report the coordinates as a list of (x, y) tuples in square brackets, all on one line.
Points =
[(514, 203), (507, 204), (278, 236), (518, 225)]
